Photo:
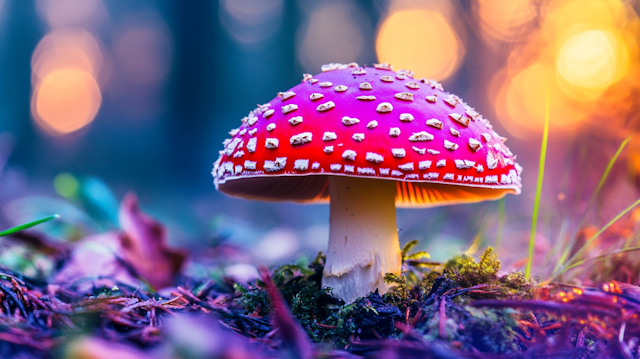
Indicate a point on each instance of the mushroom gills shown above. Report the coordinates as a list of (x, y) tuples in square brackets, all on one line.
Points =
[(315, 189), (363, 237)]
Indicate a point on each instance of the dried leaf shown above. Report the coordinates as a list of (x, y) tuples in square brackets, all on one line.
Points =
[(96, 257), (144, 245), (140, 251)]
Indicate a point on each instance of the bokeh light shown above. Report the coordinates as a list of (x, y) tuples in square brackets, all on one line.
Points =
[(504, 21), (72, 13), (565, 14), (588, 59), (420, 40), (65, 100), (333, 33), (520, 103), (66, 185), (582, 52), (591, 60), (67, 48), (251, 21), (65, 67), (142, 52)]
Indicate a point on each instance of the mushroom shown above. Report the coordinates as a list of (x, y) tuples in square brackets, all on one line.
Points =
[(332, 152)]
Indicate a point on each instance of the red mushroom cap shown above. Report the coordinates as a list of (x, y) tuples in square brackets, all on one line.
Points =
[(367, 122)]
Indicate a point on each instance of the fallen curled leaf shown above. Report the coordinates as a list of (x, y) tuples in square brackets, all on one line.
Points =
[(144, 245), (95, 262), (138, 252)]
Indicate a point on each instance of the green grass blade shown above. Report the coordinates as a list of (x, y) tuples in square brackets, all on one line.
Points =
[(632, 238), (557, 247), (602, 256), (563, 257), (27, 225), (536, 205), (603, 178), (637, 237), (595, 236), (498, 241), (610, 165)]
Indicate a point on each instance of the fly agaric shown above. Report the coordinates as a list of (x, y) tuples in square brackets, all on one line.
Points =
[(366, 140)]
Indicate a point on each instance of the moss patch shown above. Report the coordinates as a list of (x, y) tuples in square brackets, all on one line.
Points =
[(432, 299)]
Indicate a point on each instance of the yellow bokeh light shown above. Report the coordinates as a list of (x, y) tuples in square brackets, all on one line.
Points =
[(422, 41), (584, 51), (65, 100), (588, 59), (564, 15), (591, 60)]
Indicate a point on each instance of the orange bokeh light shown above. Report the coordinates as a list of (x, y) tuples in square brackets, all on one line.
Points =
[(420, 40), (65, 66), (66, 48), (504, 21), (583, 52), (520, 102), (65, 100)]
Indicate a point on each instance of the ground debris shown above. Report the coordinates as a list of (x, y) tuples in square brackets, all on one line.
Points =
[(459, 309)]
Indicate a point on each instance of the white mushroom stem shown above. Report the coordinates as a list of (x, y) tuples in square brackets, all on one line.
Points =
[(363, 238)]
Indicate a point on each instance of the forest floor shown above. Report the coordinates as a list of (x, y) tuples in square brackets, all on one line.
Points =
[(99, 303)]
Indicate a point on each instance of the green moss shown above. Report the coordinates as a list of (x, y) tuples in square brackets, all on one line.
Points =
[(467, 272), (516, 286), (252, 300), (486, 330), (419, 290), (491, 331), (430, 278), (415, 255), (398, 293), (323, 317)]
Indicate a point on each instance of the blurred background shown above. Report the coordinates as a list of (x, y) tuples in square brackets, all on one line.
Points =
[(98, 98)]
